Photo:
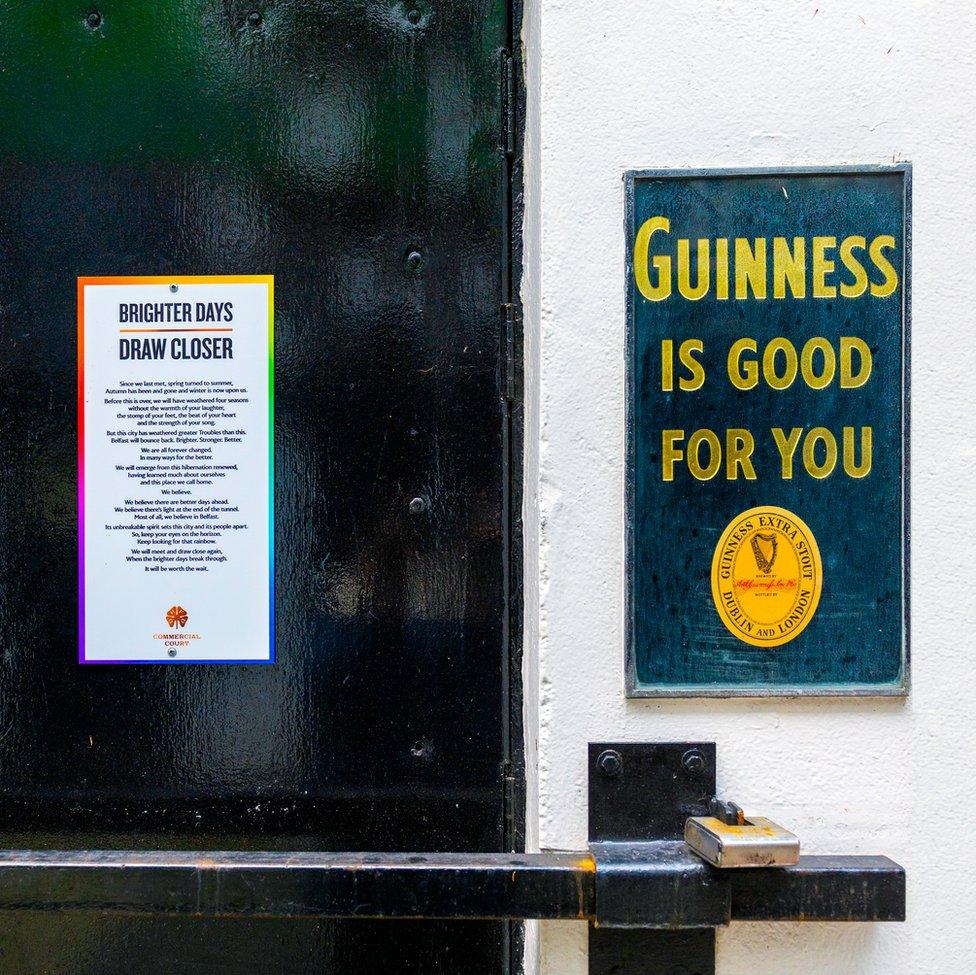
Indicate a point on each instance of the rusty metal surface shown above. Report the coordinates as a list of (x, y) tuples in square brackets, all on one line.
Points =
[(657, 885), (360, 885), (636, 875), (663, 885), (640, 798), (822, 888), (753, 842)]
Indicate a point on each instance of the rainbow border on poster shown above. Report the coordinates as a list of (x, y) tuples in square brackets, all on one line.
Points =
[(267, 279)]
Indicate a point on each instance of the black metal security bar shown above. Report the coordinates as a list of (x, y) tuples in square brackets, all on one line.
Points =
[(651, 904), (665, 887)]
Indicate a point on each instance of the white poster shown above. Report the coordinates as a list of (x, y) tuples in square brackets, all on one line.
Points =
[(175, 452)]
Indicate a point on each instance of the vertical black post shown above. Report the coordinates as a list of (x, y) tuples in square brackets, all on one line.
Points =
[(642, 793)]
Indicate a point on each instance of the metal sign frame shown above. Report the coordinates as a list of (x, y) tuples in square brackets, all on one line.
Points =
[(634, 687)]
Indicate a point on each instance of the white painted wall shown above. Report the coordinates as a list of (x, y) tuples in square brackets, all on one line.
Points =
[(672, 83)]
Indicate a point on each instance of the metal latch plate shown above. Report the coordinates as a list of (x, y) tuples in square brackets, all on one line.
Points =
[(758, 842)]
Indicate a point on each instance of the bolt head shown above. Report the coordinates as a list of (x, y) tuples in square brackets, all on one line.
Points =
[(693, 761), (255, 19), (94, 20), (414, 15), (610, 763), (417, 506), (171, 652), (415, 260)]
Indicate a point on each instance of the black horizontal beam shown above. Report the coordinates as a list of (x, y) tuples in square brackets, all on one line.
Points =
[(658, 885), (451, 885), (664, 885), (367, 885), (822, 888)]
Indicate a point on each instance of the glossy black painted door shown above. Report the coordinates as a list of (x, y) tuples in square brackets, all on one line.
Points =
[(352, 150)]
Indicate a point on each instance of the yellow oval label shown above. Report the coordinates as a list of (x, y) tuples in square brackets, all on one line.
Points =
[(766, 576)]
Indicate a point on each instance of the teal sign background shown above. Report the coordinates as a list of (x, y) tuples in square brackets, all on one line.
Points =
[(856, 641)]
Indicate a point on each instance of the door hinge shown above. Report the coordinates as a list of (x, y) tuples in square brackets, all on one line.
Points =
[(509, 311), (508, 104)]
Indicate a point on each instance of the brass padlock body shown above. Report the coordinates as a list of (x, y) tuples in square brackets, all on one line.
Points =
[(758, 842)]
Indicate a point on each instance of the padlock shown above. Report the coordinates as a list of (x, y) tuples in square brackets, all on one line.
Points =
[(726, 838)]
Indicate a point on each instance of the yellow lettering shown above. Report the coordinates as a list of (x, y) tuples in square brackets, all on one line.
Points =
[(860, 283), (667, 365), (815, 436), (742, 375), (661, 288), (694, 367), (787, 448), (812, 379), (789, 267), (722, 268), (707, 471), (848, 345), (739, 445), (822, 267), (670, 454), (864, 468), (750, 267), (775, 380), (684, 270), (878, 246)]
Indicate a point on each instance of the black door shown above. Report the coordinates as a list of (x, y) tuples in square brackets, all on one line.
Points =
[(355, 151)]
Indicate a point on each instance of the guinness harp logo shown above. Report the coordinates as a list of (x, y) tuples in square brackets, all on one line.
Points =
[(177, 616), (764, 549), (766, 576)]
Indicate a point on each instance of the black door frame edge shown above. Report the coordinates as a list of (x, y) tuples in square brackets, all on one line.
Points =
[(513, 209)]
